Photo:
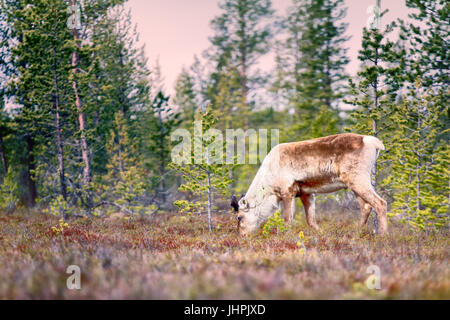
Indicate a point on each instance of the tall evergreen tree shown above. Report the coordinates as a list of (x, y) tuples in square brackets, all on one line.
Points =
[(420, 169), (379, 83), (311, 65), (377, 87), (428, 50), (121, 81), (242, 34), (123, 186), (158, 123), (39, 50), (186, 98), (429, 42)]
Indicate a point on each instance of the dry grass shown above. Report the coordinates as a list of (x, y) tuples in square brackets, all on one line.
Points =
[(174, 257)]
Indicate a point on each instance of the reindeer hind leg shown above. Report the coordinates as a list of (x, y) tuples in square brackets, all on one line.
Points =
[(365, 211), (365, 192)]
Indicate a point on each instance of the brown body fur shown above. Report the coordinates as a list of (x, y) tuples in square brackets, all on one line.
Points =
[(344, 153)]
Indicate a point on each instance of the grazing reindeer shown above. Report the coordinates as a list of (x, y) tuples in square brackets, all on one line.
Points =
[(304, 168)]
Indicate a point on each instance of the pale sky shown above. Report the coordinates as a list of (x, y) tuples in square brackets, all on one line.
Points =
[(176, 30)]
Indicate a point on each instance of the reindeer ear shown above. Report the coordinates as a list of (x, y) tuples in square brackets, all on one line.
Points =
[(234, 203)]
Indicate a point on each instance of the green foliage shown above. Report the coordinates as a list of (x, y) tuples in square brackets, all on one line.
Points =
[(274, 224), (311, 64), (59, 207), (47, 135), (186, 98), (206, 178), (427, 55), (241, 36), (413, 171), (420, 164), (157, 124), (427, 33), (120, 82), (9, 191), (374, 94), (123, 185)]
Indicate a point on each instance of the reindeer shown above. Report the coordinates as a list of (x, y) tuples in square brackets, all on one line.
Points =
[(304, 168)]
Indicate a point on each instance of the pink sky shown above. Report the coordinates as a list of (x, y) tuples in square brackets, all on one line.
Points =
[(176, 30)]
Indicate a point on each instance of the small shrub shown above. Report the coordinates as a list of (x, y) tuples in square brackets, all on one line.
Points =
[(59, 207), (60, 227), (274, 224)]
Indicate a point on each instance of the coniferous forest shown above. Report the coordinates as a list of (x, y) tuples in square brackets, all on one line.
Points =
[(88, 133)]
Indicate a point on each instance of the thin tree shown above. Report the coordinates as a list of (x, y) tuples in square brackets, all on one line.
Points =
[(242, 34), (78, 101)]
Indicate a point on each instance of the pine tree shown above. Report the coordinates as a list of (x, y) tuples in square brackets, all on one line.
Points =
[(226, 98), (428, 54), (76, 48), (377, 87), (11, 66), (378, 84), (4, 131), (186, 98), (85, 63), (429, 42), (204, 172), (310, 65), (242, 34), (38, 50), (4, 66), (420, 170), (121, 80), (38, 60), (124, 184), (158, 123)]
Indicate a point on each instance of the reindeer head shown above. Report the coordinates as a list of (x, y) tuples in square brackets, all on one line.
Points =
[(251, 213)]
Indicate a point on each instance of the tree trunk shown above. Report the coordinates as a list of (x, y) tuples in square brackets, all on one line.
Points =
[(162, 164), (418, 202), (209, 202), (243, 71), (244, 90), (375, 131), (30, 173), (62, 179), (79, 106), (3, 157)]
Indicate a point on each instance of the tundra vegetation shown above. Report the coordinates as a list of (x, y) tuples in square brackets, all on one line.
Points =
[(174, 256), (85, 136)]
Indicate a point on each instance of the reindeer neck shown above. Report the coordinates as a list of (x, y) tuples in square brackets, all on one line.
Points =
[(260, 186)]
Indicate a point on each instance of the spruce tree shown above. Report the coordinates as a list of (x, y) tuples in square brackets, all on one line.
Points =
[(158, 123), (185, 98), (204, 172), (378, 83), (241, 37), (311, 66), (427, 52), (121, 81), (124, 185), (375, 92), (420, 169)]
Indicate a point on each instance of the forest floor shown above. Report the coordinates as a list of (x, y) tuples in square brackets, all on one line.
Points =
[(175, 257)]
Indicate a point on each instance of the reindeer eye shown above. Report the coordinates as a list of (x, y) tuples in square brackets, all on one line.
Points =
[(243, 204)]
